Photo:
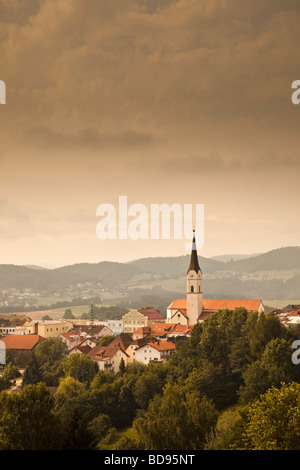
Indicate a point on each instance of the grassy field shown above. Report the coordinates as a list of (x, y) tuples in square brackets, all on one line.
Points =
[(57, 313)]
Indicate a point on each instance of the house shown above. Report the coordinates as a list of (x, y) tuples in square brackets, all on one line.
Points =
[(72, 338), (48, 328), (85, 335), (116, 326), (141, 332), (95, 331), (13, 324), (21, 347), (140, 318), (194, 308), (130, 351), (159, 351), (108, 358), (152, 315), (291, 317), (81, 349), (122, 341)]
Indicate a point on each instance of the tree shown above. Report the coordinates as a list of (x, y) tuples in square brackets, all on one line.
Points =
[(122, 366), (229, 431), (27, 420), (49, 354), (78, 435), (46, 318), (32, 373), (261, 329), (176, 421), (147, 386), (274, 366), (102, 377), (100, 426), (274, 420), (68, 315), (105, 340), (81, 367), (67, 405)]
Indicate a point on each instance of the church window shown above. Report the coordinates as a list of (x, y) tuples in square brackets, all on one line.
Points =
[(192, 288)]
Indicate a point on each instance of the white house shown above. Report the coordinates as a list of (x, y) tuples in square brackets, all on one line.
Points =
[(159, 351)]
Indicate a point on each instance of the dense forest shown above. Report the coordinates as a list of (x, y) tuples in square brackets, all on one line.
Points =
[(231, 386)]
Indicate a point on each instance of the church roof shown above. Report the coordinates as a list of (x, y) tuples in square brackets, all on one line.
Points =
[(219, 304), (194, 264)]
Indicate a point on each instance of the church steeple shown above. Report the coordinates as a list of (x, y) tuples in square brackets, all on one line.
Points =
[(194, 264), (194, 287)]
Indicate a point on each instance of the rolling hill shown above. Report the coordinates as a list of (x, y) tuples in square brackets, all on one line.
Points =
[(275, 274)]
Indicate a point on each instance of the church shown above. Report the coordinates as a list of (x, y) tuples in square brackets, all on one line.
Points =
[(194, 308)]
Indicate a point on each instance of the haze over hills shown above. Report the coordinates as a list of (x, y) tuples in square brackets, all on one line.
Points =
[(234, 257), (272, 275)]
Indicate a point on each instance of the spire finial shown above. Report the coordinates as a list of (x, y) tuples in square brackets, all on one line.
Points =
[(194, 264)]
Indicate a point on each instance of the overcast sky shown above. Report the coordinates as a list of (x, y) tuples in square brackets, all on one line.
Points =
[(164, 101)]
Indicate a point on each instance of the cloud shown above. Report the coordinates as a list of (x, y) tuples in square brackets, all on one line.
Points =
[(88, 139)]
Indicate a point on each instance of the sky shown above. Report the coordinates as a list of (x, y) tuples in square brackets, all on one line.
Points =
[(162, 101)]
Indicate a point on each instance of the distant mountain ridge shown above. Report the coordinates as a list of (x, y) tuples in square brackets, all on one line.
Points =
[(231, 278)]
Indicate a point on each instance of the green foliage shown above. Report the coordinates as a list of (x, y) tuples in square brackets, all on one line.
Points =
[(274, 420), (49, 355), (176, 420), (33, 372), (27, 421), (229, 430), (105, 340), (68, 315), (80, 367), (11, 372), (46, 318), (274, 366), (100, 426), (232, 356)]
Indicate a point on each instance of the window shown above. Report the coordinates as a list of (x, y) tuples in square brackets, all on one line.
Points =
[(192, 288)]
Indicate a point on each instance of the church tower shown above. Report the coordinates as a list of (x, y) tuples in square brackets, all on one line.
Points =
[(194, 287)]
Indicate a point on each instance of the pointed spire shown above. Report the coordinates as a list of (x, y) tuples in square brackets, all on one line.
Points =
[(194, 264)]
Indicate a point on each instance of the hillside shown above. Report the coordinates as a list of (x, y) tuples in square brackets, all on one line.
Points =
[(281, 259), (272, 275)]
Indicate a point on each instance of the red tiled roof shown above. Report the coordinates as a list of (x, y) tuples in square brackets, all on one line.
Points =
[(296, 313), (145, 330), (21, 341), (219, 304), (103, 352), (84, 349), (151, 314), (123, 340), (163, 345), (161, 328)]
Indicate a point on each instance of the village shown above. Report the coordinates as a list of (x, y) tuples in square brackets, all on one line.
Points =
[(143, 335)]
